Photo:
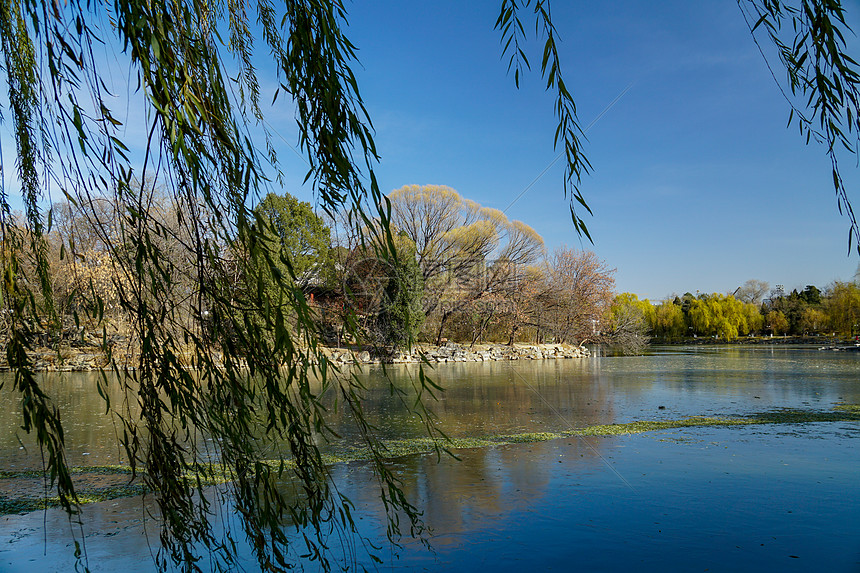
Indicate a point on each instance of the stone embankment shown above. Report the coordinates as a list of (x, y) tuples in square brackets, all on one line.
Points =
[(75, 359), (452, 352), (90, 358), (80, 352)]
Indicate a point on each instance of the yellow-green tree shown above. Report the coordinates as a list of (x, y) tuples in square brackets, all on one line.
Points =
[(754, 318), (814, 320), (842, 303), (719, 315), (643, 307), (776, 322), (700, 317), (669, 321)]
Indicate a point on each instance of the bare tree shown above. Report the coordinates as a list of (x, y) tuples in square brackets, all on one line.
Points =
[(627, 331), (466, 252), (752, 291), (578, 292)]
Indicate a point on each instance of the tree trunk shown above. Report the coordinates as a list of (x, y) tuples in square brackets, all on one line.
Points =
[(513, 333), (444, 318)]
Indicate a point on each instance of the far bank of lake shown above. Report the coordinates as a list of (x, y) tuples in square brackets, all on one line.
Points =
[(89, 358)]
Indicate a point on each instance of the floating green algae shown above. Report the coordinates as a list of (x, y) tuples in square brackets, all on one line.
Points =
[(850, 408), (212, 474), (652, 425), (28, 503)]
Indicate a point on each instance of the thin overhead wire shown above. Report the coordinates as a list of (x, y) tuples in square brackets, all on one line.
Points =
[(557, 157)]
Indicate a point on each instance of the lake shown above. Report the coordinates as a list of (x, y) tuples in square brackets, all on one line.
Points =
[(775, 497)]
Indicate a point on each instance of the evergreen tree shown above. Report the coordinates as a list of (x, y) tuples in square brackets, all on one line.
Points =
[(402, 308)]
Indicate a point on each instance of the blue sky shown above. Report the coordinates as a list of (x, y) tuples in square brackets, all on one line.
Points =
[(697, 184)]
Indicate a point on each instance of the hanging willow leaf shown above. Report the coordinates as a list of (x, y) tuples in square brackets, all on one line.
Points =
[(823, 80), (568, 133), (173, 214)]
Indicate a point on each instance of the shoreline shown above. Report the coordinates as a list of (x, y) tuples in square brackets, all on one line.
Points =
[(92, 358), (820, 341), (454, 352)]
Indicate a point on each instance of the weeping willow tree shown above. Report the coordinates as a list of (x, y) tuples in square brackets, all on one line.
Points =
[(246, 381), (252, 387)]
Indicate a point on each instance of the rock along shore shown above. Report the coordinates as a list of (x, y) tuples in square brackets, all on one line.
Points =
[(453, 352), (91, 358)]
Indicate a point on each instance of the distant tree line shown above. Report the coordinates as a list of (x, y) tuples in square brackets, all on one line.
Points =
[(454, 271), (752, 310)]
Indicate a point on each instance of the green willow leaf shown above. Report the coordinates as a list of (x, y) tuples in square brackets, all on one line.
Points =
[(819, 70), (176, 225)]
